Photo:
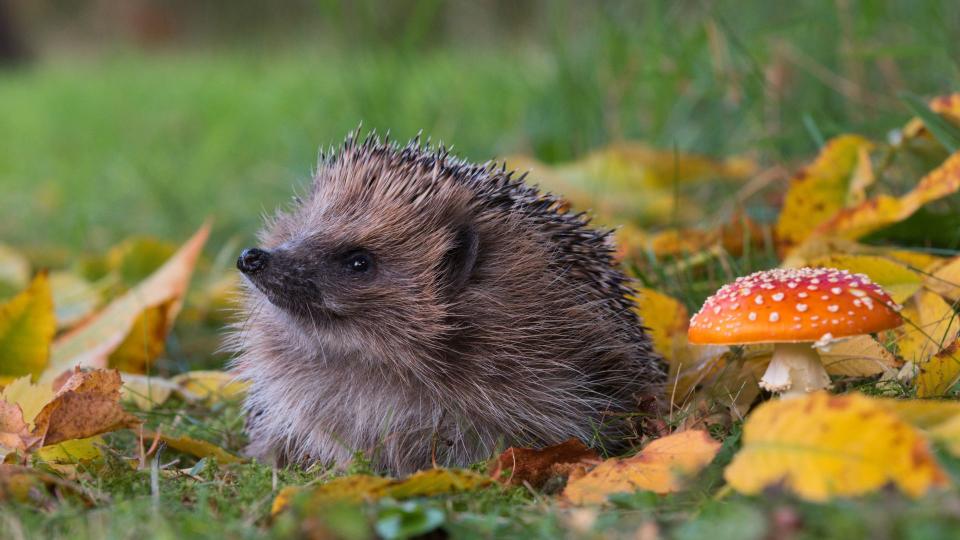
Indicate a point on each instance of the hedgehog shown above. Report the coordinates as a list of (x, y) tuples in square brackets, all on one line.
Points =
[(420, 310)]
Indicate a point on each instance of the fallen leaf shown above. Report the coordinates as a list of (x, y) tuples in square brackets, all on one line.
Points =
[(945, 280), (660, 468), (821, 446), (519, 466), (72, 451), (821, 189), (899, 281), (145, 340), (27, 326), (883, 210), (30, 397), (91, 343), (857, 356), (940, 373), (15, 433), (940, 419), (74, 298), (931, 324), (362, 487), (435, 482), (87, 404), (195, 447), (667, 320), (146, 392), (211, 386), (31, 486)]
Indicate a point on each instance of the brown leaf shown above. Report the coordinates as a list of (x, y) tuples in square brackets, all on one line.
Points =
[(87, 404), (517, 466)]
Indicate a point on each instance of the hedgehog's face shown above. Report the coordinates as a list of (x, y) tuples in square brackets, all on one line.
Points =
[(354, 270)]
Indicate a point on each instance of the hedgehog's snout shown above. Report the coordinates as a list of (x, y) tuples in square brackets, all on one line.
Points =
[(252, 260)]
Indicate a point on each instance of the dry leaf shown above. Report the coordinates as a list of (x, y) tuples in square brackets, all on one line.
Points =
[(821, 189), (885, 210), (91, 343), (660, 468), (87, 404), (945, 280), (519, 466), (820, 446), (666, 319), (857, 356), (74, 298), (938, 374), (146, 392), (195, 447), (27, 326), (145, 340), (931, 324), (899, 281), (15, 433), (361, 487), (212, 386)]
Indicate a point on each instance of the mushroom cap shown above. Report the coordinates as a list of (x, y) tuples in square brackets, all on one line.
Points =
[(793, 305)]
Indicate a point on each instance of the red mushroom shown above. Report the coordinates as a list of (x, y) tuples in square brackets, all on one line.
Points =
[(793, 308)]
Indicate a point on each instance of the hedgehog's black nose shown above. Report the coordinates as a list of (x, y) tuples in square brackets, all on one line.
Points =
[(252, 260)]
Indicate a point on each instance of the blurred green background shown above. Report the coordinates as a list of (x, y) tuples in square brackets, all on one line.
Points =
[(145, 116)]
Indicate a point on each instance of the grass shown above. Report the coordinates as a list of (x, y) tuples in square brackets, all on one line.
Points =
[(97, 149)]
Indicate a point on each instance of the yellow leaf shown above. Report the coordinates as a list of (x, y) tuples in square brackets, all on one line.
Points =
[(945, 280), (938, 374), (72, 451), (196, 447), (362, 487), (884, 210), (146, 392), (816, 247), (144, 342), (899, 281), (27, 326), (931, 324), (820, 446), (436, 482), (821, 189), (858, 356), (211, 385), (660, 468), (666, 319), (91, 343), (30, 397), (74, 298)]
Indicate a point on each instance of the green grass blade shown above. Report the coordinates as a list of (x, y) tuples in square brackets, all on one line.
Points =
[(943, 131)]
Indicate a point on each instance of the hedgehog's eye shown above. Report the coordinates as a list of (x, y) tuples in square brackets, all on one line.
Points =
[(358, 261)]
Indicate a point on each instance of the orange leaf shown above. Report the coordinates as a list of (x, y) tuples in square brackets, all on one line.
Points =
[(660, 468), (92, 343)]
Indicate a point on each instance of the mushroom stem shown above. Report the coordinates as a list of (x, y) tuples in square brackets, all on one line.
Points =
[(794, 370)]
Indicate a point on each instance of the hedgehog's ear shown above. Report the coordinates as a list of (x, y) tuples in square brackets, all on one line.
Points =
[(460, 260)]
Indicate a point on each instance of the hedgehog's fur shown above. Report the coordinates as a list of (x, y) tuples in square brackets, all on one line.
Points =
[(493, 317)]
